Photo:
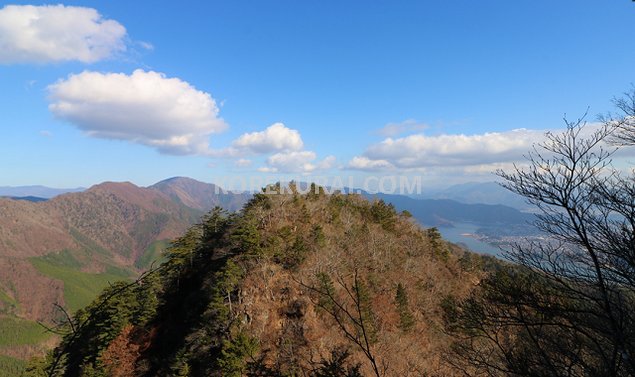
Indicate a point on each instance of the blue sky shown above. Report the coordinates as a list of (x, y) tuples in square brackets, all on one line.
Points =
[(446, 90)]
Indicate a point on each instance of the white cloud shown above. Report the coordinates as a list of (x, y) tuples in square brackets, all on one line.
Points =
[(292, 162), (242, 163), (364, 163), (296, 162), (266, 169), (145, 108), (53, 33), (327, 163), (420, 151), (409, 125), (276, 138)]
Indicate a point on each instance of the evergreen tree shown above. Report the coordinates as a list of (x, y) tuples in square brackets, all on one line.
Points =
[(383, 214), (406, 320)]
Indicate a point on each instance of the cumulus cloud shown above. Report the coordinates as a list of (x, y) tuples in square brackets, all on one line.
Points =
[(409, 125), (296, 162), (282, 145), (53, 33), (275, 138), (420, 151), (292, 162), (147, 108)]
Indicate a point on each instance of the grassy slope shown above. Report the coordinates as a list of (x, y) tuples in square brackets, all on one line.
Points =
[(11, 367), (16, 331), (80, 288), (153, 253)]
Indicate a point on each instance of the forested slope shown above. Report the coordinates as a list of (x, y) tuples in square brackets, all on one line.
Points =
[(295, 284)]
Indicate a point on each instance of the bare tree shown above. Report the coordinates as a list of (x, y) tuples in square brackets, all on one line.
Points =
[(565, 307), (350, 311)]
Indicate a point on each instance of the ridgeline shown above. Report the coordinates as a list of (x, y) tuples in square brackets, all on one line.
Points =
[(314, 284)]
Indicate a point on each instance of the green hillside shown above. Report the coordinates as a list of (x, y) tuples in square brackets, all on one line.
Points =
[(11, 367), (16, 331), (80, 288), (152, 254)]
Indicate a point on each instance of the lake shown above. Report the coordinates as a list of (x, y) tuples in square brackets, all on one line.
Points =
[(459, 234)]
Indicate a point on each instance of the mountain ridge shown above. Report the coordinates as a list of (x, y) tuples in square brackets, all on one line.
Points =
[(478, 193), (295, 284), (200, 195), (36, 191)]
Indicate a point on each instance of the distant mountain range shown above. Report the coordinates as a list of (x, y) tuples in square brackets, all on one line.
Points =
[(36, 191), (34, 199), (190, 192), (445, 212), (478, 193)]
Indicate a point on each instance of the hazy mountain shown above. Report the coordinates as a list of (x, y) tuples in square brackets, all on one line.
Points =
[(27, 198), (437, 212), (199, 195), (478, 193), (36, 191)]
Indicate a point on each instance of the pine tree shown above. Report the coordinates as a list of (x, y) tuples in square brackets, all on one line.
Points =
[(436, 241), (365, 311), (406, 320)]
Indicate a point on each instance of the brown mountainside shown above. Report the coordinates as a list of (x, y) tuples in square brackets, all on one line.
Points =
[(110, 214), (29, 229), (123, 218), (108, 225), (199, 195)]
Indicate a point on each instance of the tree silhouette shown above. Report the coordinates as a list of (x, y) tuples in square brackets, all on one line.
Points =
[(565, 307)]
